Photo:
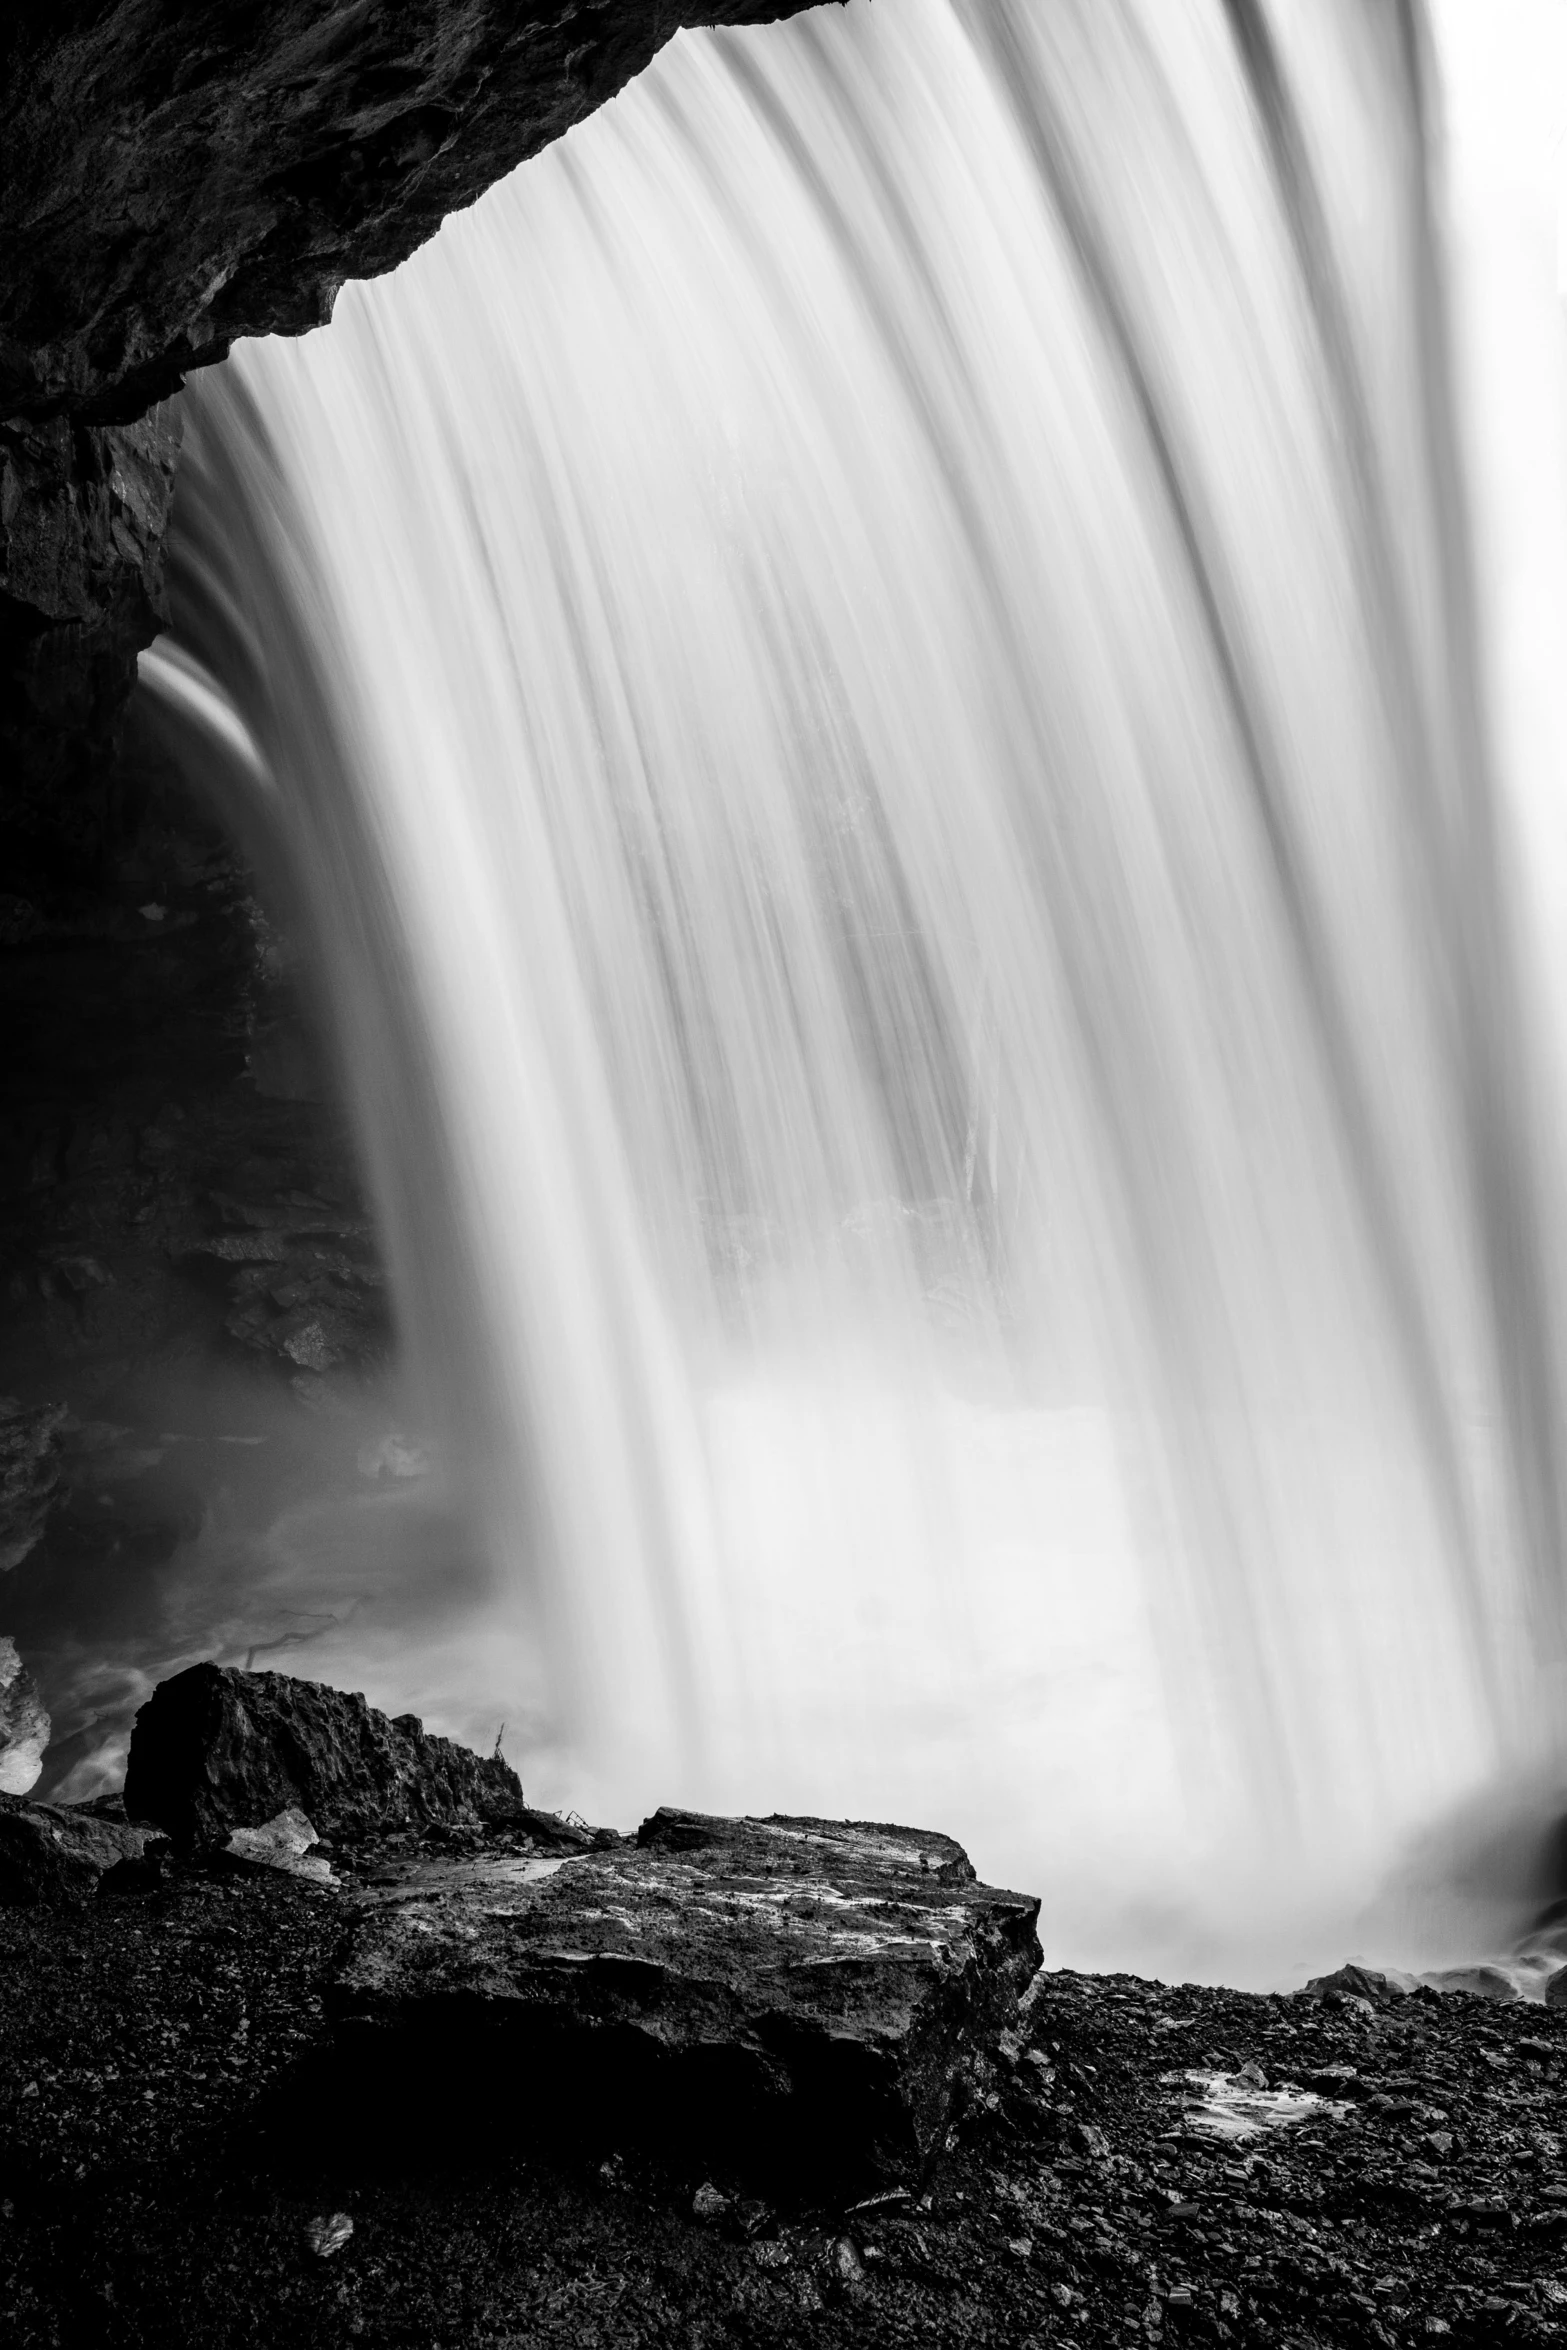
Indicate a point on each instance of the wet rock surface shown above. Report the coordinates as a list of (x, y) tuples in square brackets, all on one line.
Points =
[(172, 177), (813, 1988), (84, 513), (215, 1749), (179, 2166), (174, 1172), (175, 176), (194, 1319)]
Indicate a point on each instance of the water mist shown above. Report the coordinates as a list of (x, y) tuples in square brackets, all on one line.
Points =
[(869, 675)]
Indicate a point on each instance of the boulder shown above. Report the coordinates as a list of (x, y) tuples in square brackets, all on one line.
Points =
[(24, 1724), (1354, 1981), (216, 1749), (56, 1856), (825, 1987)]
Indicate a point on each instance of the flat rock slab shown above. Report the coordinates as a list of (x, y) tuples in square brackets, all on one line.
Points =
[(839, 1976)]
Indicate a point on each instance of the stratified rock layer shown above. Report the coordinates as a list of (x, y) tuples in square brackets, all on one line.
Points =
[(816, 1981), (216, 1749)]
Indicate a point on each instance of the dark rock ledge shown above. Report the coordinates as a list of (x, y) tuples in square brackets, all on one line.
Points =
[(243, 2105), (173, 176)]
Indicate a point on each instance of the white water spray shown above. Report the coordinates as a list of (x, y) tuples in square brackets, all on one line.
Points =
[(871, 670)]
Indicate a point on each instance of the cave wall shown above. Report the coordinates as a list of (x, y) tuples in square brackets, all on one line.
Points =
[(176, 173)]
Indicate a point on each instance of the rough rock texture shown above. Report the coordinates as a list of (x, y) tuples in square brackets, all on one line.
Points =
[(83, 515), (216, 1749), (54, 1856), (172, 177), (821, 1980), (24, 1724), (284, 1843), (175, 2133)]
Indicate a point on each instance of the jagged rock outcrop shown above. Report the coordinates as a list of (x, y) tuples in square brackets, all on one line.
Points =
[(172, 177), (216, 1749), (818, 1982)]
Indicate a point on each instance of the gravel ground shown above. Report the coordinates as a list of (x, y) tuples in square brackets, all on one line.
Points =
[(180, 2150)]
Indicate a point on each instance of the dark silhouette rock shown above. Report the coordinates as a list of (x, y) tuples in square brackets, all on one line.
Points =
[(83, 516), (55, 1856), (216, 1749), (1353, 1981), (172, 177), (821, 1986)]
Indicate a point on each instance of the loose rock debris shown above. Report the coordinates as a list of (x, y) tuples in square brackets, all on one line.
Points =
[(1134, 2165)]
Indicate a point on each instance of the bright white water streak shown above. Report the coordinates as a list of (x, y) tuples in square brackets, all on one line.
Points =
[(872, 671)]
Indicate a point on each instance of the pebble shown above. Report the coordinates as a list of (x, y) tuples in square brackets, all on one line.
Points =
[(328, 2233)]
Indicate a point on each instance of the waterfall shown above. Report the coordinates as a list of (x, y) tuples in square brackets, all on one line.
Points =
[(868, 675)]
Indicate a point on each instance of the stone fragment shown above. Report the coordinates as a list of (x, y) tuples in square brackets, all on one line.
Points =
[(216, 1749), (328, 2234), (283, 1843), (24, 1725), (708, 2204), (832, 1981), (56, 1856), (846, 2267), (1556, 1988)]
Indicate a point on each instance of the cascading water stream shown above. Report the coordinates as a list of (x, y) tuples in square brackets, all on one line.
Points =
[(868, 674)]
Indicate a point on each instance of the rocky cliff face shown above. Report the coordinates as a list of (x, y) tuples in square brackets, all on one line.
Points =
[(83, 514), (171, 177)]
